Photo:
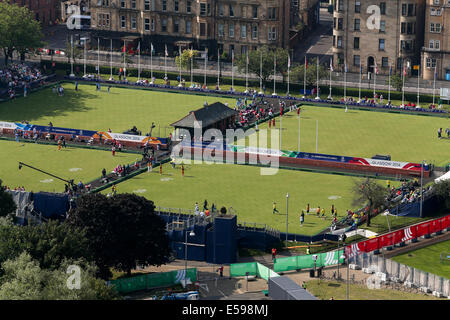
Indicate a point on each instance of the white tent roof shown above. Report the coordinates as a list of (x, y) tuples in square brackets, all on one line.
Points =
[(443, 177)]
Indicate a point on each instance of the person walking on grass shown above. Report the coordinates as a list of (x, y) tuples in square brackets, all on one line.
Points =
[(318, 211), (274, 207), (302, 218), (307, 208), (160, 168), (182, 170), (59, 144), (323, 213), (113, 150)]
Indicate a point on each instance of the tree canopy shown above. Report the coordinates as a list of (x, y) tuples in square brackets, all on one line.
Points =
[(123, 231), (267, 55), (186, 57), (369, 193), (19, 31), (298, 72)]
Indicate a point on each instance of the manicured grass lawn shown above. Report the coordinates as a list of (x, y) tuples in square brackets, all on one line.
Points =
[(407, 138), (324, 290), (428, 259), (250, 194), (69, 163), (120, 110)]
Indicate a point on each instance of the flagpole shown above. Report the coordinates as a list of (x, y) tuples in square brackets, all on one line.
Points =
[(85, 56), (304, 78), (139, 61), (289, 69), (218, 69), (165, 62), (360, 77), (206, 59), (317, 135), (299, 132), (98, 57), (403, 85), (317, 76), (110, 60), (389, 92), (179, 55), (274, 73), (418, 87), (71, 61), (434, 83), (260, 73), (331, 70), (375, 81), (345, 83), (151, 62), (124, 62), (232, 70), (246, 72), (192, 66)]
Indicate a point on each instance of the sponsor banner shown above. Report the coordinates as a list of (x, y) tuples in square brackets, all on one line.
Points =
[(8, 125), (57, 130), (410, 233), (386, 240), (423, 229), (130, 138), (387, 164), (24, 127), (398, 236), (324, 157), (435, 226), (354, 249)]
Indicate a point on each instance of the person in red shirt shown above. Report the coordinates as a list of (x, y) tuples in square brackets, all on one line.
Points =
[(274, 253), (113, 151)]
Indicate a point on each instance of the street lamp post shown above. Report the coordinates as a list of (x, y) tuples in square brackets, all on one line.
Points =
[(348, 276), (191, 234), (287, 215), (421, 187), (338, 276)]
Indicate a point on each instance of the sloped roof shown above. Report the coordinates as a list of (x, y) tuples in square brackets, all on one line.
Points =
[(208, 115)]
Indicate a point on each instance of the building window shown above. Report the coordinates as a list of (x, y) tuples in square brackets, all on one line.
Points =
[(164, 25), (334, 41), (340, 5), (133, 22), (356, 43), (403, 27), (133, 4), (438, 27), (384, 62), (411, 11), (231, 11), (430, 63), (221, 29), (436, 2), (432, 11), (147, 5), (356, 60), (188, 27), (272, 33), (357, 7), (404, 9), (357, 24), (203, 9), (147, 24), (221, 10), (122, 3), (123, 22), (188, 6), (255, 12), (382, 26), (431, 44), (176, 26), (255, 32), (153, 24), (340, 23), (103, 20), (164, 5), (209, 9), (231, 30), (272, 13), (175, 5), (339, 41), (382, 7), (243, 31), (202, 29), (381, 44)]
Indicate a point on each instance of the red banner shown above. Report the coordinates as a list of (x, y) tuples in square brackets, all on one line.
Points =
[(435, 226), (445, 222), (386, 240), (372, 244), (398, 236), (423, 229)]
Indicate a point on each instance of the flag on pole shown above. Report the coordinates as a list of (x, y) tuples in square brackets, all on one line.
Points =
[(166, 53), (139, 48), (376, 68), (345, 64), (306, 64), (435, 73), (151, 47), (331, 65), (247, 58), (390, 70), (289, 61), (124, 50), (404, 70)]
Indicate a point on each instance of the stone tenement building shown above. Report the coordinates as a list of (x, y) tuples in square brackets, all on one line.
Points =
[(436, 49), (397, 41), (45, 11), (214, 24)]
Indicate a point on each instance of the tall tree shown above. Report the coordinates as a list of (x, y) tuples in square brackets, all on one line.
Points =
[(442, 191), (7, 204), (298, 72), (123, 231), (397, 81), (254, 62), (49, 243), (186, 57), (77, 52), (369, 193), (19, 31), (24, 279)]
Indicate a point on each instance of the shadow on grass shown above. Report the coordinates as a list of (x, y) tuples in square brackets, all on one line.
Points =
[(45, 103)]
